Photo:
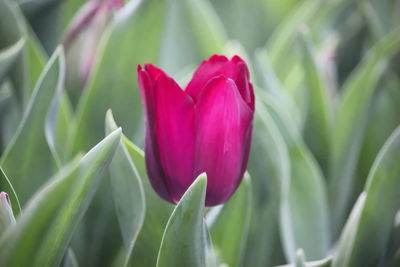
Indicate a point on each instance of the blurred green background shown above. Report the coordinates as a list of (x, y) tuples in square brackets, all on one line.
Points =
[(326, 78)]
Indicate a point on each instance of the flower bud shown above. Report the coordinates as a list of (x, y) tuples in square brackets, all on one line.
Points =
[(83, 38), (6, 213), (205, 128)]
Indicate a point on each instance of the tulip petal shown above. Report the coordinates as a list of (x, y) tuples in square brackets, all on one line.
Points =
[(175, 135), (153, 165), (234, 69), (223, 120)]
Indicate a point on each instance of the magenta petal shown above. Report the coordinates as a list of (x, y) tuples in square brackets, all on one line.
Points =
[(175, 135), (222, 120), (153, 165), (234, 69)]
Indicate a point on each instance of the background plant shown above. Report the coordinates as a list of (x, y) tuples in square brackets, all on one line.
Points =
[(323, 175)]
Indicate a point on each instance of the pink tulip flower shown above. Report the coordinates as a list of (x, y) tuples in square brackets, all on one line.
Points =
[(205, 128)]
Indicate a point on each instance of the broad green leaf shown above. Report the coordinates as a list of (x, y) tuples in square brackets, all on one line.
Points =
[(229, 230), (157, 213), (132, 38), (9, 56), (44, 229), (59, 116), (184, 240), (281, 41), (207, 28), (6, 186), (376, 216), (350, 124), (240, 17), (43, 17), (349, 232), (269, 166), (36, 59), (273, 88), (28, 158), (53, 113), (127, 192), (318, 124), (304, 209), (11, 30), (192, 33)]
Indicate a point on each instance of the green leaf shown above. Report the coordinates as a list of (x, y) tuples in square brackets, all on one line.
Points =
[(132, 38), (280, 43), (376, 216), (273, 89), (11, 31), (6, 186), (350, 123), (192, 33), (318, 125), (157, 213), (208, 30), (269, 165), (27, 157), (127, 192), (229, 230), (44, 229), (36, 59), (304, 210), (184, 239), (52, 114), (9, 56)]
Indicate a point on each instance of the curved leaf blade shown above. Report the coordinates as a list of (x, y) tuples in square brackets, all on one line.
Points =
[(350, 123), (376, 216), (304, 208), (158, 212), (8, 57), (44, 229), (229, 230), (127, 192), (184, 239), (28, 155)]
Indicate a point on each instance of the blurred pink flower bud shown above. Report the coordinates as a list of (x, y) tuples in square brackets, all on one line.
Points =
[(83, 37), (6, 213)]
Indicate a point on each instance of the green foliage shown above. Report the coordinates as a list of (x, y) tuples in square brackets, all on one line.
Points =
[(325, 157), (184, 242)]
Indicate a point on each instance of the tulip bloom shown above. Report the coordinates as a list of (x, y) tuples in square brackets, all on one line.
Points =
[(205, 128)]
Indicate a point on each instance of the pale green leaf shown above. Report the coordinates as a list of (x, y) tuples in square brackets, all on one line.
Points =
[(350, 124), (318, 124), (365, 245), (127, 192), (8, 57), (157, 213), (27, 157), (304, 210), (184, 240), (44, 229), (229, 230)]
